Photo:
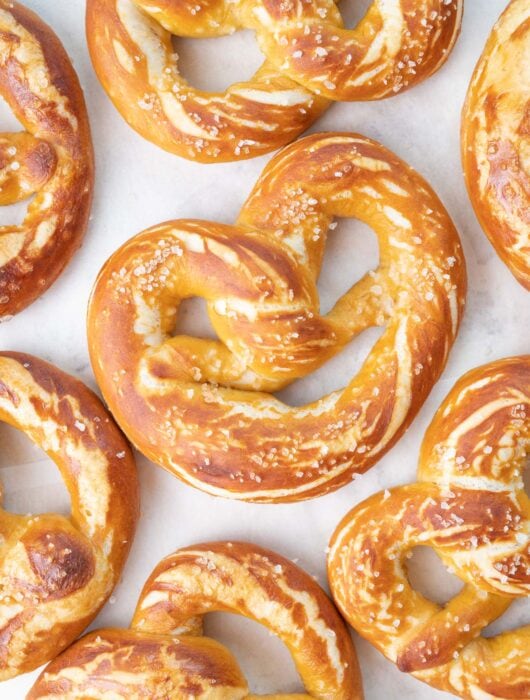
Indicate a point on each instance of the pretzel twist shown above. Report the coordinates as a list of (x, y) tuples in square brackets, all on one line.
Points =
[(198, 407), (470, 506), (164, 655), (52, 158), (396, 45), (56, 572), (496, 139)]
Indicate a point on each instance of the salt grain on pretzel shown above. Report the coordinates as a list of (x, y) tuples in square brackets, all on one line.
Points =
[(469, 505), (202, 408), (56, 572), (398, 44), (165, 655), (135, 61), (52, 158), (496, 139)]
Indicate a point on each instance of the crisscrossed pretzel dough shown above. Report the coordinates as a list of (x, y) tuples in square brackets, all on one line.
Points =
[(202, 408), (470, 505)]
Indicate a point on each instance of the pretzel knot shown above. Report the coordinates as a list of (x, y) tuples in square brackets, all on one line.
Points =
[(52, 159), (56, 572), (310, 59), (198, 407), (165, 654), (470, 506), (496, 139)]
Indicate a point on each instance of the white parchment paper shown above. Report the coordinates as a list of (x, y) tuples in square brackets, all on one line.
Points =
[(138, 185)]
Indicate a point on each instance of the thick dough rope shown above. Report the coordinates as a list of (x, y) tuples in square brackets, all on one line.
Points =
[(56, 572), (496, 139), (396, 45), (198, 407), (469, 505), (52, 159), (164, 654)]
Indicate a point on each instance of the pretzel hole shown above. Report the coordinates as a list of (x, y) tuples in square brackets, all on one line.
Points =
[(356, 243), (334, 374), (193, 319), (264, 659), (31, 481), (517, 615), (352, 249), (214, 64), (14, 214), (429, 576), (8, 120), (353, 12)]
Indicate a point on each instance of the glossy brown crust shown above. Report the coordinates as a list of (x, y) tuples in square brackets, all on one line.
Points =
[(397, 44), (40, 85), (26, 165), (201, 408), (469, 505), (56, 572), (165, 656), (311, 59), (496, 139), (135, 665)]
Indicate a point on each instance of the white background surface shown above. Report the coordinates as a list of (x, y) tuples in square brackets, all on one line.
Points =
[(138, 185)]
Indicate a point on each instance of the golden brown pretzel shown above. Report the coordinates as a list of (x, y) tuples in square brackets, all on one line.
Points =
[(56, 572), (198, 407), (164, 655), (52, 158), (470, 506), (496, 139), (395, 46)]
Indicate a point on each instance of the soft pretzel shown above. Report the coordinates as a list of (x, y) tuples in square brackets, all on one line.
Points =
[(469, 505), (164, 655), (56, 572), (199, 407), (52, 158), (496, 139), (396, 45)]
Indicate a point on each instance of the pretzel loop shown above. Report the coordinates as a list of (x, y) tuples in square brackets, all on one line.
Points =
[(56, 572), (199, 407), (52, 158), (165, 648), (470, 506), (134, 57), (496, 139)]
